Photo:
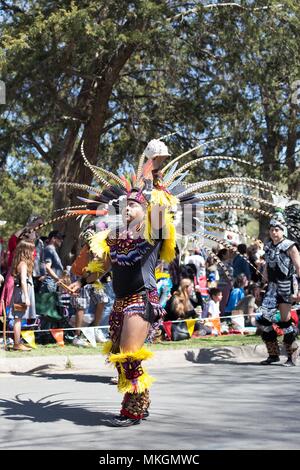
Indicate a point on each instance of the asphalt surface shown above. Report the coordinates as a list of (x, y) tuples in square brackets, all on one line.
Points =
[(209, 405)]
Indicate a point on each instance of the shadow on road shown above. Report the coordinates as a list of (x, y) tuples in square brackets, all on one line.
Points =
[(47, 411), (57, 376), (219, 356)]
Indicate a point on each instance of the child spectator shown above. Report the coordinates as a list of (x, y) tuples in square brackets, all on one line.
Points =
[(212, 308)]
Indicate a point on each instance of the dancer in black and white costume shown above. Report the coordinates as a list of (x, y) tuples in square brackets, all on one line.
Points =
[(282, 272)]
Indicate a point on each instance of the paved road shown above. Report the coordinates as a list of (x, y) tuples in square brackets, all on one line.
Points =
[(200, 406)]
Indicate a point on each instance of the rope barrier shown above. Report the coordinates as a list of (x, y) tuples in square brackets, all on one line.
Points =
[(296, 307)]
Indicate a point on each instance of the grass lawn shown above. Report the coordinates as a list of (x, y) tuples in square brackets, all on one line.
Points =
[(203, 342)]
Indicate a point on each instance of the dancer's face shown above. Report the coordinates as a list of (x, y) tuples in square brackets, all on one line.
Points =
[(276, 234), (133, 213)]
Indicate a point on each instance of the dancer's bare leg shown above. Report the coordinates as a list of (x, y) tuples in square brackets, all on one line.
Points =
[(134, 333)]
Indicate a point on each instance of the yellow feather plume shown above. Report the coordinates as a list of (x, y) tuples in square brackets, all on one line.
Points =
[(160, 274), (148, 229), (144, 382), (167, 252), (98, 244), (161, 197)]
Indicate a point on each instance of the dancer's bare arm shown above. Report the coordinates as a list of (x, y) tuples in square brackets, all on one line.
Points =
[(295, 257)]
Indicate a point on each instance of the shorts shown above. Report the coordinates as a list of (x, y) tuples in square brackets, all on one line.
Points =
[(88, 295), (278, 293), (144, 304)]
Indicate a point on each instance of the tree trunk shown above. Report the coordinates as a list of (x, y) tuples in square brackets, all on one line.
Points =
[(270, 149)]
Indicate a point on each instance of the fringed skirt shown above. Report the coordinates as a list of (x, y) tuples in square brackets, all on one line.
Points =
[(145, 304)]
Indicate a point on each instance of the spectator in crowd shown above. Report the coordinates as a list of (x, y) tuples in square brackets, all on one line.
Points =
[(197, 260), (110, 295), (240, 264), (29, 231), (211, 280), (98, 299), (2, 257), (224, 282), (249, 304), (53, 265), (255, 255), (237, 293), (185, 302), (23, 302), (39, 270), (26, 232), (91, 297), (212, 308), (164, 284), (174, 270), (211, 267), (188, 271), (65, 296)]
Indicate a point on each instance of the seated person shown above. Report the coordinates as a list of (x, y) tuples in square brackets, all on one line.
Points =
[(184, 302), (237, 293), (249, 304), (212, 308)]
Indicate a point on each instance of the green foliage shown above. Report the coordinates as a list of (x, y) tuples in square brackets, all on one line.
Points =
[(25, 190), (120, 73)]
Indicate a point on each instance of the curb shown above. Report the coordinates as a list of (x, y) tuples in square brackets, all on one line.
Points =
[(161, 359)]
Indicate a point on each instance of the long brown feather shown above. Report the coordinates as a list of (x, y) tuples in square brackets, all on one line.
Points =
[(90, 166), (188, 152), (243, 181), (211, 197), (84, 187)]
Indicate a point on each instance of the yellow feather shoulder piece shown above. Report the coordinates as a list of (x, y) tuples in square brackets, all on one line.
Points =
[(148, 229), (167, 252), (98, 244), (163, 198), (94, 266)]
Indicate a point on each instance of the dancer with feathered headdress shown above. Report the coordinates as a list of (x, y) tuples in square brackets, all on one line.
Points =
[(282, 271), (145, 213)]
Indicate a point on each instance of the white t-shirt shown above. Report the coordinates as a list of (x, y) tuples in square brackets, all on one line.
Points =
[(212, 308)]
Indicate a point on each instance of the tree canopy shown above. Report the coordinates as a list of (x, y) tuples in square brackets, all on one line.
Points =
[(116, 74)]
